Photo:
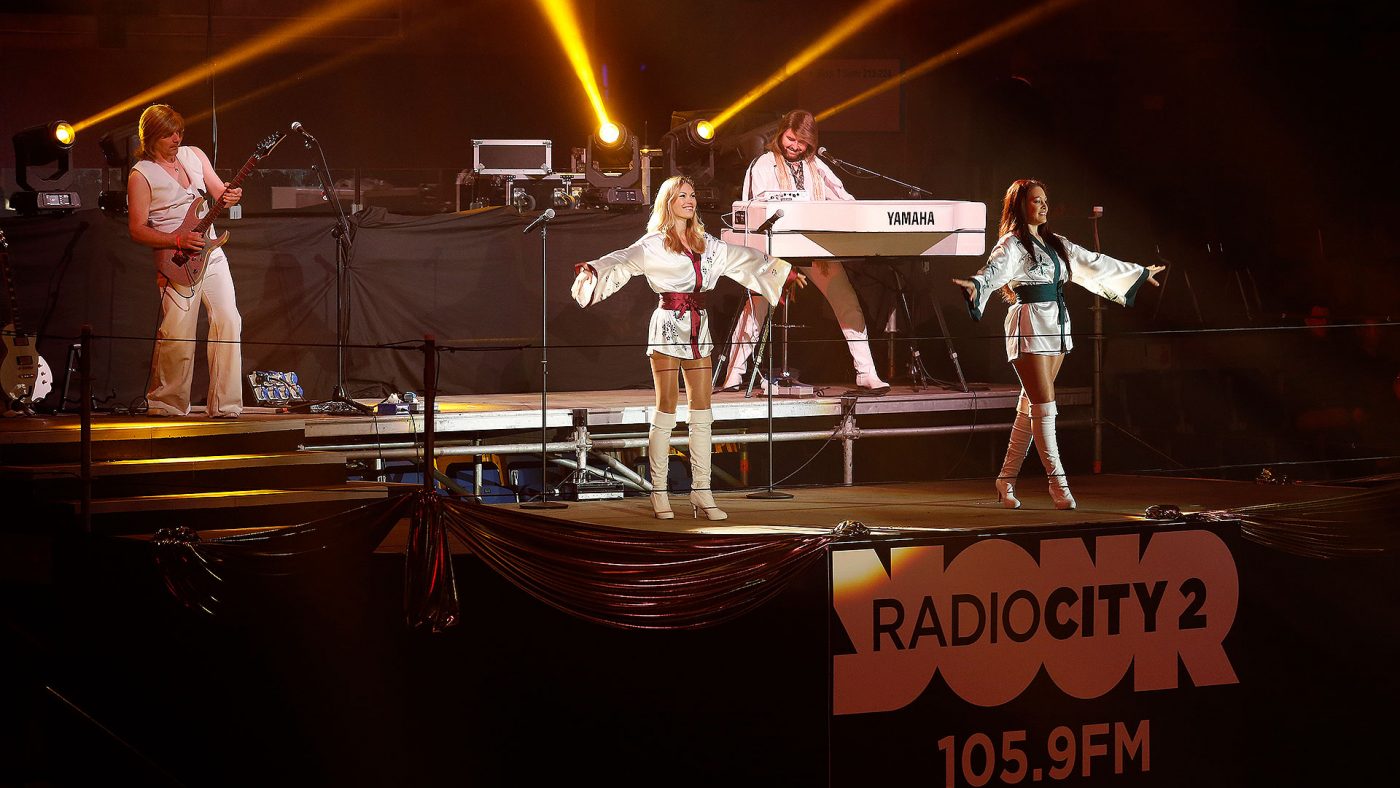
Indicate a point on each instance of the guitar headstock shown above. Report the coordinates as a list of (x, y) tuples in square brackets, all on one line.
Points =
[(271, 141)]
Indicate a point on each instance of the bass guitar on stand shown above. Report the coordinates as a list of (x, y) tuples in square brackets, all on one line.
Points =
[(24, 374), (186, 266)]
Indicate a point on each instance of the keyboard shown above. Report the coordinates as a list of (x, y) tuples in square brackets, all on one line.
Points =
[(862, 228)]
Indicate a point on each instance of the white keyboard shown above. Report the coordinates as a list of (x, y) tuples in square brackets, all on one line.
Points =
[(862, 228)]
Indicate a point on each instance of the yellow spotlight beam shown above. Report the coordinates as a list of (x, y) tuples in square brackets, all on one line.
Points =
[(320, 68), (991, 35), (843, 30), (562, 18), (245, 52), (323, 66)]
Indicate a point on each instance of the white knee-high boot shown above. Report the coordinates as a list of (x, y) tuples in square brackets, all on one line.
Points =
[(1016, 450), (1043, 425), (659, 459), (700, 447)]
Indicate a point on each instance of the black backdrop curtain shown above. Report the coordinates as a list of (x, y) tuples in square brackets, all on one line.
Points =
[(472, 279)]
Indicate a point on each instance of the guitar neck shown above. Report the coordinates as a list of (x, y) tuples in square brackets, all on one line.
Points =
[(218, 205), (10, 286)]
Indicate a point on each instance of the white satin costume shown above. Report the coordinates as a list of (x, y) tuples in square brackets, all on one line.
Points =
[(682, 333), (829, 276), (1036, 327), (172, 364)]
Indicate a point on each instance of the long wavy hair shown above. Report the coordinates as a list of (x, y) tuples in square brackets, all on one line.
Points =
[(158, 121), (675, 230), (803, 126), (1014, 208)]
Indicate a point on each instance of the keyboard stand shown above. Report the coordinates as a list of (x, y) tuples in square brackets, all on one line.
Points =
[(918, 374)]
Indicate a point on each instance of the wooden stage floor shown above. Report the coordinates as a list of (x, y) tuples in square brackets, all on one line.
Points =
[(959, 506)]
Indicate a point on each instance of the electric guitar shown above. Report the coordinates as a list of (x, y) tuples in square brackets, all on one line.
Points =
[(24, 375), (186, 266)]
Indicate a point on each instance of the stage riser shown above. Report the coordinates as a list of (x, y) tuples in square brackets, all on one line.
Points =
[(105, 447), (267, 477), (240, 512)]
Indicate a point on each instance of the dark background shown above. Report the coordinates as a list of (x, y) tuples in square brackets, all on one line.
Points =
[(1258, 125), (1246, 143)]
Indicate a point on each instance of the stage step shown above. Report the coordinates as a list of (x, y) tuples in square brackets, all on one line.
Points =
[(245, 508), (44, 440), (164, 476)]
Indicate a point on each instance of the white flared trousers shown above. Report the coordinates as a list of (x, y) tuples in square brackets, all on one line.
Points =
[(172, 364)]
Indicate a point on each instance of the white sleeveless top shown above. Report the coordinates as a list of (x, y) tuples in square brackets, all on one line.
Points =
[(169, 200)]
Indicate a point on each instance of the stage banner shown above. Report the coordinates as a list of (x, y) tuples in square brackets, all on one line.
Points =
[(1079, 656)]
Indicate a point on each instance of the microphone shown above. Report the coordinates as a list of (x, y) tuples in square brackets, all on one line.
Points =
[(297, 128), (769, 222), (822, 153), (541, 219)]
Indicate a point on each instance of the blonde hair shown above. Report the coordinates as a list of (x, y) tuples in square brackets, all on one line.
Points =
[(664, 222), (157, 122)]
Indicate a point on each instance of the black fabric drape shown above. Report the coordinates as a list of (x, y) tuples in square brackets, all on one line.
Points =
[(472, 279), (637, 579)]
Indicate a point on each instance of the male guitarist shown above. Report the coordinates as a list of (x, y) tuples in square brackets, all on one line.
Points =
[(162, 186)]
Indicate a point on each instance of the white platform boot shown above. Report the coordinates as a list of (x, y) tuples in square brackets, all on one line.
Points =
[(867, 379), (1043, 426), (659, 460), (700, 446), (1016, 450)]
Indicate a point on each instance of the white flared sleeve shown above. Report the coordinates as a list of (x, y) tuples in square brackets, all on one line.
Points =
[(1006, 261), (835, 189), (1104, 276), (612, 271), (749, 267)]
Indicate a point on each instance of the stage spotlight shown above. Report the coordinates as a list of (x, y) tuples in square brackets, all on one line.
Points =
[(121, 147), (609, 133), (616, 164), (35, 147), (689, 151)]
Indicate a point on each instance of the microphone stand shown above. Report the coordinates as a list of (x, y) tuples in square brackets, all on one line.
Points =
[(339, 402), (914, 191), (769, 494), (544, 502)]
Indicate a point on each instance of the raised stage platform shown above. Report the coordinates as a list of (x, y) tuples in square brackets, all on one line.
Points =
[(839, 675)]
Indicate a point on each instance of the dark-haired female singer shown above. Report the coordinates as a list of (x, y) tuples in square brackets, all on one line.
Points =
[(1030, 266)]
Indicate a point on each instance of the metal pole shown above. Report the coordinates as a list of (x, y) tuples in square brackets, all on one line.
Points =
[(544, 502), (85, 427), (430, 397), (1097, 417), (358, 452), (770, 494), (849, 433)]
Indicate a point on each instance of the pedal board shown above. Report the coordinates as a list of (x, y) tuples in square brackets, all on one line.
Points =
[(592, 490)]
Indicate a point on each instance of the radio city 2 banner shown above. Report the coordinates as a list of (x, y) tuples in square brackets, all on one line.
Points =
[(1097, 656)]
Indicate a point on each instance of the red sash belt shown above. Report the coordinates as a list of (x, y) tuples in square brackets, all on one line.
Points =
[(694, 303)]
